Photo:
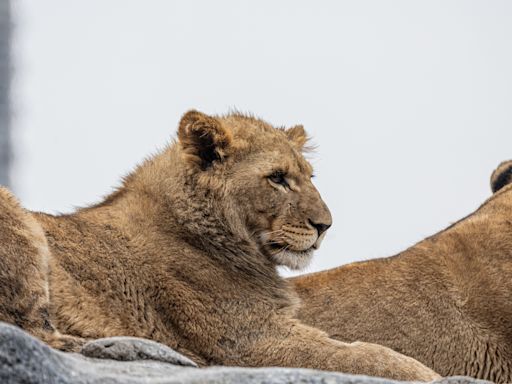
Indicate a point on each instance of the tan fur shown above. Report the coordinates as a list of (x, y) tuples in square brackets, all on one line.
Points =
[(185, 253), (447, 301)]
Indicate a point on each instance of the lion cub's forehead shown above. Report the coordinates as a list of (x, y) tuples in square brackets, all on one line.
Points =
[(256, 135), (256, 132), (249, 127), (298, 166)]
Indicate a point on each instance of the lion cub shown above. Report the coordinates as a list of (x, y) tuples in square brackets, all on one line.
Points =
[(185, 253)]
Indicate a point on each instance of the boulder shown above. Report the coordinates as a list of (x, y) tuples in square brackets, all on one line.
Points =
[(24, 359)]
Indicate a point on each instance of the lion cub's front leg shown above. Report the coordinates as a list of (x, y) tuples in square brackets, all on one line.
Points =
[(293, 344), (24, 291)]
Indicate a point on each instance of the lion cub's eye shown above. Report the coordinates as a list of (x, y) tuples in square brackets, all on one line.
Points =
[(278, 177)]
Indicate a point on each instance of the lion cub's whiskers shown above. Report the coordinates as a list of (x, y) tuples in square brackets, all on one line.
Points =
[(278, 231)]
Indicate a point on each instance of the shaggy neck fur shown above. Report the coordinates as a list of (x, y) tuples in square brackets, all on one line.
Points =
[(194, 205)]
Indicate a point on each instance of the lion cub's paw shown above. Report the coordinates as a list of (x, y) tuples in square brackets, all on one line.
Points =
[(397, 366), (416, 371), (133, 348)]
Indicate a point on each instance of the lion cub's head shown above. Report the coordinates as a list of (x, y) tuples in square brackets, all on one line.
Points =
[(255, 180)]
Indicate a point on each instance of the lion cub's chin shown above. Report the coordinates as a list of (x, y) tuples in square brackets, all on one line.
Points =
[(295, 260)]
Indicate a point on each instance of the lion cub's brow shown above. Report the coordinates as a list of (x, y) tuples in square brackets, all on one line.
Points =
[(293, 163), (304, 168)]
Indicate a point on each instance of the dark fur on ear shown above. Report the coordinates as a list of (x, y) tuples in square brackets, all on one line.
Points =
[(203, 138), (501, 176)]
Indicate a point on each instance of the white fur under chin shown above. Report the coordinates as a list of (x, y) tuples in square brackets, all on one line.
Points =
[(294, 260)]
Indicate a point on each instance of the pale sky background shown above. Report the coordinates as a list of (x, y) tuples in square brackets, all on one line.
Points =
[(409, 101)]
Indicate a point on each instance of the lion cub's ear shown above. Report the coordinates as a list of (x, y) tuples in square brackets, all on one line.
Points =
[(297, 135), (501, 176), (203, 138)]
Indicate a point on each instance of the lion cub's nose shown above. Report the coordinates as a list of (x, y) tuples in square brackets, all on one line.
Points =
[(320, 227)]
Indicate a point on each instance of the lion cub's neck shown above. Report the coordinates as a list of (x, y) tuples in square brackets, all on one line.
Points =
[(162, 202)]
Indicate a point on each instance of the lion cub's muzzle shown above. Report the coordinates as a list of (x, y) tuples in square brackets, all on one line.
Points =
[(300, 238), (293, 245)]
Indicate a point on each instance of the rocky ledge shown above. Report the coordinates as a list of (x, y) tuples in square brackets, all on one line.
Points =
[(24, 359)]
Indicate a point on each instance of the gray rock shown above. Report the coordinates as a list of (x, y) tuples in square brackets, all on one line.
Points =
[(25, 360), (133, 348)]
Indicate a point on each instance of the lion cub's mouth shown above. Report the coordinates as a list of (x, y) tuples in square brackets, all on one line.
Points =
[(287, 249), (276, 248), (282, 255)]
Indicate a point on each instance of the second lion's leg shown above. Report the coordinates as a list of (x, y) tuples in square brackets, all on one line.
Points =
[(24, 290)]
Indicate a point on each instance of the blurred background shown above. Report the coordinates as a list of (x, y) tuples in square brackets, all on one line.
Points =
[(408, 101)]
